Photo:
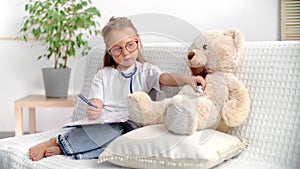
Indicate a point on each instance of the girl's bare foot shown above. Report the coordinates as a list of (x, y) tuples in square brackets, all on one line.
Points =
[(54, 150), (38, 151)]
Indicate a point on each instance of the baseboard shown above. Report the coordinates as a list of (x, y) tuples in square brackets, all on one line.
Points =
[(6, 134)]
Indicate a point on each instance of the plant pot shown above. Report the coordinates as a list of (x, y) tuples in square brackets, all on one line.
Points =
[(56, 82)]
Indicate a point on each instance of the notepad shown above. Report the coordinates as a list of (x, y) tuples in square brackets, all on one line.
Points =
[(103, 120)]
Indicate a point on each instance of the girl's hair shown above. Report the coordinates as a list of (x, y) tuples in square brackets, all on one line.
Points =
[(116, 24)]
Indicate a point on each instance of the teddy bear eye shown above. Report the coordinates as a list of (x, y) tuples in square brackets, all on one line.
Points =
[(205, 46)]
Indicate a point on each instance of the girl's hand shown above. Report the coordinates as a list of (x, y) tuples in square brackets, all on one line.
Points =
[(201, 80), (93, 113)]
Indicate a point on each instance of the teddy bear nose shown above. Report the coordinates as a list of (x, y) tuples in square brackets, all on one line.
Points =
[(191, 55)]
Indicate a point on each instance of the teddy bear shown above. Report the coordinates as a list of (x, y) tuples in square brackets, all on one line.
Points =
[(224, 102)]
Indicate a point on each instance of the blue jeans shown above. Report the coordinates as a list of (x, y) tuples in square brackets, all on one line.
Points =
[(87, 142)]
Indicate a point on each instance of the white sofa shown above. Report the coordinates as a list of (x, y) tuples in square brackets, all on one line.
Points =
[(270, 71)]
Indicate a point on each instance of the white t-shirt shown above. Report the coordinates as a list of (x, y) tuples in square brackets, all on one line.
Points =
[(112, 88)]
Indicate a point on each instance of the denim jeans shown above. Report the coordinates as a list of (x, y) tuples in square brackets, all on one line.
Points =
[(87, 142)]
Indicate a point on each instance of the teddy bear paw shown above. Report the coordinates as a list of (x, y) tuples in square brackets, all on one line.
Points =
[(139, 103)]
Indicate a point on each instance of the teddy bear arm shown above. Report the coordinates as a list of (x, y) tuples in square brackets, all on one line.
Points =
[(236, 109)]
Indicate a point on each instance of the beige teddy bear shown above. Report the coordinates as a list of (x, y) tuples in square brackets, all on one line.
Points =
[(225, 101)]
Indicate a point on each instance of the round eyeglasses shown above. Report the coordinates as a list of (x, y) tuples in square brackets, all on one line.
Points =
[(130, 46)]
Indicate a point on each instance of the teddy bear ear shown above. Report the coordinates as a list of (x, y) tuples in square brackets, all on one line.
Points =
[(236, 35)]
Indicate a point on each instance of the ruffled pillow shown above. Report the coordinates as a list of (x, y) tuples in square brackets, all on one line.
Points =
[(155, 147)]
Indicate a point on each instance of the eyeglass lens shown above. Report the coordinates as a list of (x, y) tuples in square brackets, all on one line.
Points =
[(130, 47)]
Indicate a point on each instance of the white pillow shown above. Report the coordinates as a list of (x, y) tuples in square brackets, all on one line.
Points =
[(155, 147)]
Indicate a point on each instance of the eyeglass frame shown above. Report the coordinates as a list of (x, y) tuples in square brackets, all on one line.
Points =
[(125, 46)]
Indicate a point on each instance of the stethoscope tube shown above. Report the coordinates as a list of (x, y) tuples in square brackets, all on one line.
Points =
[(131, 78)]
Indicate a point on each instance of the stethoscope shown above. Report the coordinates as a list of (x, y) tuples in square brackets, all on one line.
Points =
[(130, 76)]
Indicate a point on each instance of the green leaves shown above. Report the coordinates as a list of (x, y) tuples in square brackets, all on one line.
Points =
[(64, 25)]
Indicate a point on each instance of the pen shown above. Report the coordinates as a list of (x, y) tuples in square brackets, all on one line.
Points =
[(86, 100)]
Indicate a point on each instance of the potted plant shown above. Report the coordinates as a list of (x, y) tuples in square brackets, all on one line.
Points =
[(63, 26)]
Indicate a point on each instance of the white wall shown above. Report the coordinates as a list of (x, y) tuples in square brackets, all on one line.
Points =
[(20, 71)]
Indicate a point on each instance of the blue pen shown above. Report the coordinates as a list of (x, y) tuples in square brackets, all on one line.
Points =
[(86, 100)]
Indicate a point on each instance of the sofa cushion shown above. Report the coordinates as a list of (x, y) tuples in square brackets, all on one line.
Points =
[(155, 147), (271, 73)]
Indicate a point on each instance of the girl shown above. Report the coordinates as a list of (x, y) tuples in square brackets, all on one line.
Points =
[(124, 71)]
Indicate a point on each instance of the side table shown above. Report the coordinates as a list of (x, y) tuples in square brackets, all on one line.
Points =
[(32, 102)]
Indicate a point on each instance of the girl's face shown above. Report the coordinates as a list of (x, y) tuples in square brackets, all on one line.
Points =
[(122, 45)]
